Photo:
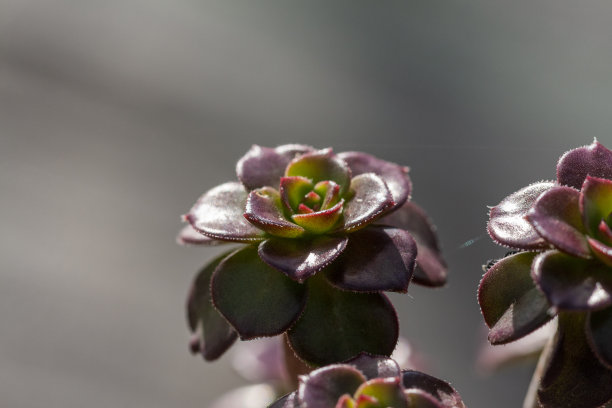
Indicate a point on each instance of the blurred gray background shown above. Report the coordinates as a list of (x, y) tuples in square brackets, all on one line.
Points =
[(116, 115)]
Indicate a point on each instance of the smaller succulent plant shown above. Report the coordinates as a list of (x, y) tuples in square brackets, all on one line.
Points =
[(563, 233), (325, 234), (370, 382)]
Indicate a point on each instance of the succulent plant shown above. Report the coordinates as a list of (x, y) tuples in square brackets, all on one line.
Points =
[(563, 232), (325, 234), (370, 382)]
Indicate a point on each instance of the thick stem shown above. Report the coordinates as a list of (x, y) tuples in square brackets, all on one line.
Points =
[(531, 398), (293, 365)]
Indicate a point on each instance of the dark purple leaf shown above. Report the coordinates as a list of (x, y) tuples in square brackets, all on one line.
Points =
[(321, 165), (556, 217), (575, 165), (420, 399), (320, 221), (430, 268), (395, 176), (219, 214), (263, 209), (376, 258), (600, 335), (375, 366), (255, 298), (507, 223), (387, 392), (371, 199), (435, 387), (288, 401), (596, 204), (574, 377), (337, 325), (264, 166), (216, 334), (189, 236), (325, 386), (301, 258), (571, 283), (511, 304)]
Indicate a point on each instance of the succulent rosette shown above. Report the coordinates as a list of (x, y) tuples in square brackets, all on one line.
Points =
[(563, 233), (325, 234), (370, 382)]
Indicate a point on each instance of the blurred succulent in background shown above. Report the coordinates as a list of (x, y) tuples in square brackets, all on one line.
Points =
[(273, 370), (563, 233), (325, 234), (370, 382)]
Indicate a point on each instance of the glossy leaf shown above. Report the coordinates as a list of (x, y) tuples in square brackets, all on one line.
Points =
[(376, 259), (375, 366), (370, 199), (556, 217), (264, 166), (574, 377), (431, 269), (602, 251), (301, 258), (325, 386), (255, 298), (511, 304), (420, 399), (321, 165), (387, 392), (440, 390), (216, 334), (337, 325), (219, 214), (575, 165), (320, 221), (189, 236), (600, 335), (571, 283), (395, 176), (507, 223), (263, 209), (596, 203)]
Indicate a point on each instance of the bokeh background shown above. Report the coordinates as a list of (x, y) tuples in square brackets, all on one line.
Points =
[(116, 115)]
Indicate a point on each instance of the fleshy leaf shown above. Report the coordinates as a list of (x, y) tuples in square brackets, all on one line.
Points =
[(507, 224), (572, 283), (575, 165), (435, 387), (375, 366), (371, 199), (387, 392), (395, 176), (325, 386), (330, 193), (189, 236), (596, 203), (255, 298), (321, 165), (602, 251), (288, 401), (219, 214), (320, 221), (301, 258), (376, 258), (420, 399), (574, 377), (337, 325), (511, 304), (216, 334), (264, 166), (430, 267), (600, 335), (556, 217), (263, 209), (293, 190)]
